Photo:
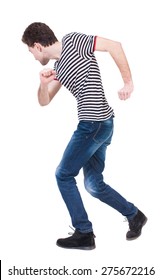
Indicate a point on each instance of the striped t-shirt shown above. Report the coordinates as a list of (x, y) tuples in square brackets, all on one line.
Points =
[(78, 70)]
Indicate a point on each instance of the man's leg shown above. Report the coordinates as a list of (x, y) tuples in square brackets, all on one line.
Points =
[(95, 185), (85, 141)]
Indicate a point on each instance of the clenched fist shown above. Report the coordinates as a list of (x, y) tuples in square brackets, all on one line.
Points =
[(47, 75), (126, 91)]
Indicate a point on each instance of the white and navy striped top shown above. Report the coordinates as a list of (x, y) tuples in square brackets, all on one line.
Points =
[(78, 70)]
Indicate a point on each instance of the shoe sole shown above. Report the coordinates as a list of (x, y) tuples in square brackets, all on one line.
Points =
[(133, 238), (87, 248)]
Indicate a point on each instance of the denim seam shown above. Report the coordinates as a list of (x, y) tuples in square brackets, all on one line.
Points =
[(98, 129)]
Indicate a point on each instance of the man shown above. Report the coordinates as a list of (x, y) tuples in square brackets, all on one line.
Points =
[(77, 69)]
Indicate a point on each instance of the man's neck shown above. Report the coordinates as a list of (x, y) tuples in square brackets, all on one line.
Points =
[(55, 50)]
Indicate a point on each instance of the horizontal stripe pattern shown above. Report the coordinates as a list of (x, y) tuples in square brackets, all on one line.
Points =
[(78, 70)]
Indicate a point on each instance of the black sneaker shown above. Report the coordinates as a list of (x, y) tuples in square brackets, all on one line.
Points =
[(79, 240), (135, 226)]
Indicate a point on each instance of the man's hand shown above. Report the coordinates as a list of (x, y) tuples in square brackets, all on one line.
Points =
[(49, 86), (46, 76), (126, 91)]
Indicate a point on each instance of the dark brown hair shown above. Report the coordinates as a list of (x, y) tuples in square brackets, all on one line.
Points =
[(38, 32)]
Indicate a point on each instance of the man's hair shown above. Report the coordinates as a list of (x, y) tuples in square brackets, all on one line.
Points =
[(38, 32)]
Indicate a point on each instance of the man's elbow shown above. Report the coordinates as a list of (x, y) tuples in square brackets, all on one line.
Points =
[(115, 48), (116, 45), (43, 103)]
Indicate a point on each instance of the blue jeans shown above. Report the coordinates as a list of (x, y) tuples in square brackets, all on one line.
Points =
[(87, 150)]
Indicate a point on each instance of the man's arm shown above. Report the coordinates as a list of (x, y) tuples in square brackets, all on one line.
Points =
[(116, 51), (48, 86)]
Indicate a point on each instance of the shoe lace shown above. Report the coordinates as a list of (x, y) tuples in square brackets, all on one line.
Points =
[(71, 233), (132, 224), (73, 230)]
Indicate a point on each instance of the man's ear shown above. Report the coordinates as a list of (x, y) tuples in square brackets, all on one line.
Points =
[(38, 47)]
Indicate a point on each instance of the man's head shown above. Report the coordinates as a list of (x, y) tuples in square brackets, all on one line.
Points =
[(38, 36)]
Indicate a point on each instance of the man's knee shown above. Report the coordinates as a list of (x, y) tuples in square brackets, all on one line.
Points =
[(66, 172), (90, 186), (60, 173)]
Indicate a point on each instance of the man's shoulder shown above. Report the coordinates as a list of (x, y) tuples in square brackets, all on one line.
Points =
[(73, 35)]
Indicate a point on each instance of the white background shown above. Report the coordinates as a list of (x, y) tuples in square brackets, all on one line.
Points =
[(33, 138)]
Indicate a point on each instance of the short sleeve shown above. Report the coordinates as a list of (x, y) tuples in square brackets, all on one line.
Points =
[(84, 44)]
